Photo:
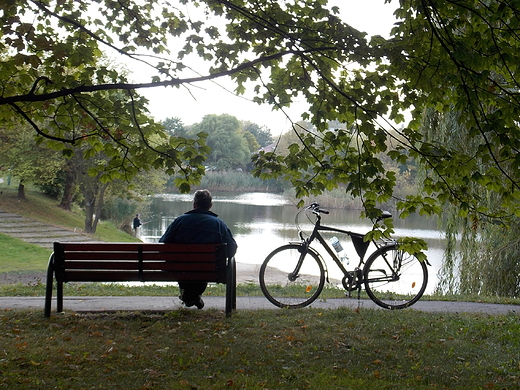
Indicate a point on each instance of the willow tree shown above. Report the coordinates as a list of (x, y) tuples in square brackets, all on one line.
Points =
[(481, 255), (442, 55)]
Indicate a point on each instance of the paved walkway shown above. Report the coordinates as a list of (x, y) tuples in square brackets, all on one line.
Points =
[(98, 304)]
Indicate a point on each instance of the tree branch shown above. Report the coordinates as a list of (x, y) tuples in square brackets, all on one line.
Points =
[(36, 127), (31, 97)]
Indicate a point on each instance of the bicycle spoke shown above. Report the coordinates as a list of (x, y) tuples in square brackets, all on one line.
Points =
[(394, 279), (285, 284)]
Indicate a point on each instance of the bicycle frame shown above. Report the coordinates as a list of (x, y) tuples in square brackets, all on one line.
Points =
[(359, 244)]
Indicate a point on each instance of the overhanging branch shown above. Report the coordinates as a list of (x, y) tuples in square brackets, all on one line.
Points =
[(31, 97)]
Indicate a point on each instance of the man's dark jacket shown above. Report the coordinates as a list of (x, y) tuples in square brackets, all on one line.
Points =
[(200, 227)]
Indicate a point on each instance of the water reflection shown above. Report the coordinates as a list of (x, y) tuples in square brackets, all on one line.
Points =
[(261, 222)]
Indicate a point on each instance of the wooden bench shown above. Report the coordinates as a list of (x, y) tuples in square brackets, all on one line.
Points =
[(137, 261)]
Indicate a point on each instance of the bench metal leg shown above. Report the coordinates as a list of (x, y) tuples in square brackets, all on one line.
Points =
[(234, 282), (48, 289), (231, 287), (59, 297)]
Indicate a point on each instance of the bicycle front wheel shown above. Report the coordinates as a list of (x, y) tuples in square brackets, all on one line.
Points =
[(394, 279), (290, 278)]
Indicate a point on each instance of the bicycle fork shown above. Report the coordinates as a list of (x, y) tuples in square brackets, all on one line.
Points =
[(304, 250), (296, 273)]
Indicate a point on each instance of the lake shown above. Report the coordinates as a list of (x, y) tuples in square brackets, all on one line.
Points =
[(261, 222)]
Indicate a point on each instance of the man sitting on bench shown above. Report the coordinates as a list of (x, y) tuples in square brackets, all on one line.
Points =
[(198, 226)]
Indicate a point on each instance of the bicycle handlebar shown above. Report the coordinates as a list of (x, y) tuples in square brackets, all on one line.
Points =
[(315, 208)]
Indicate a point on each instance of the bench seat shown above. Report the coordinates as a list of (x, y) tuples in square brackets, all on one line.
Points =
[(143, 262)]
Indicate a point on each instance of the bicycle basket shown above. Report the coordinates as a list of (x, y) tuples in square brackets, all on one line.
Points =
[(360, 245)]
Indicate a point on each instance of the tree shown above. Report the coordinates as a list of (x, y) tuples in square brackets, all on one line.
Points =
[(461, 63), (175, 127), (55, 78), (486, 261), (87, 176), (262, 134), (441, 55), (26, 159), (229, 147), (252, 143)]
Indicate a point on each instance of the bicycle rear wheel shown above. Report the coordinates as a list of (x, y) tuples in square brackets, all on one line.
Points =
[(394, 279), (286, 286)]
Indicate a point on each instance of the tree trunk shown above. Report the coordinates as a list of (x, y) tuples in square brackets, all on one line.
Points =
[(99, 206), (21, 191), (90, 206), (94, 199), (68, 188)]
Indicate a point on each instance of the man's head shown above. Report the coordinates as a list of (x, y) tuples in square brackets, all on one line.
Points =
[(202, 200)]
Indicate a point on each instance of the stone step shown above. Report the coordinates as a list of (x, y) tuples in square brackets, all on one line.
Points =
[(4, 215), (49, 235), (30, 229), (27, 224), (37, 233)]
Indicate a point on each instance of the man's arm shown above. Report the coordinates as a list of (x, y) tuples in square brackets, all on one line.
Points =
[(168, 236), (231, 243)]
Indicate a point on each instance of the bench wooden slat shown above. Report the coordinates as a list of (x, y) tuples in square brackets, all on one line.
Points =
[(145, 262), (133, 246), (122, 276), (122, 256), (146, 265)]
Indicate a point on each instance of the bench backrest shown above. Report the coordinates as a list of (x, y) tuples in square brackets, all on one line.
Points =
[(116, 262)]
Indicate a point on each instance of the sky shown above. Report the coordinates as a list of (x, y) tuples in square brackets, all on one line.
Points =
[(372, 16)]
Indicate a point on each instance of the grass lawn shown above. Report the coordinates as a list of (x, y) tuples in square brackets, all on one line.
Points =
[(261, 349), (17, 255)]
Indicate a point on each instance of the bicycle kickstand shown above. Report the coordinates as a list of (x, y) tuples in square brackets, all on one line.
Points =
[(359, 277)]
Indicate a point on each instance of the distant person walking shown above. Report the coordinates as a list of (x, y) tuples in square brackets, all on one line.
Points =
[(136, 224), (198, 226)]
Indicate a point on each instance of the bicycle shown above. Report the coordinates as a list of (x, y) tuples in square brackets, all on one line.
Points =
[(293, 275)]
